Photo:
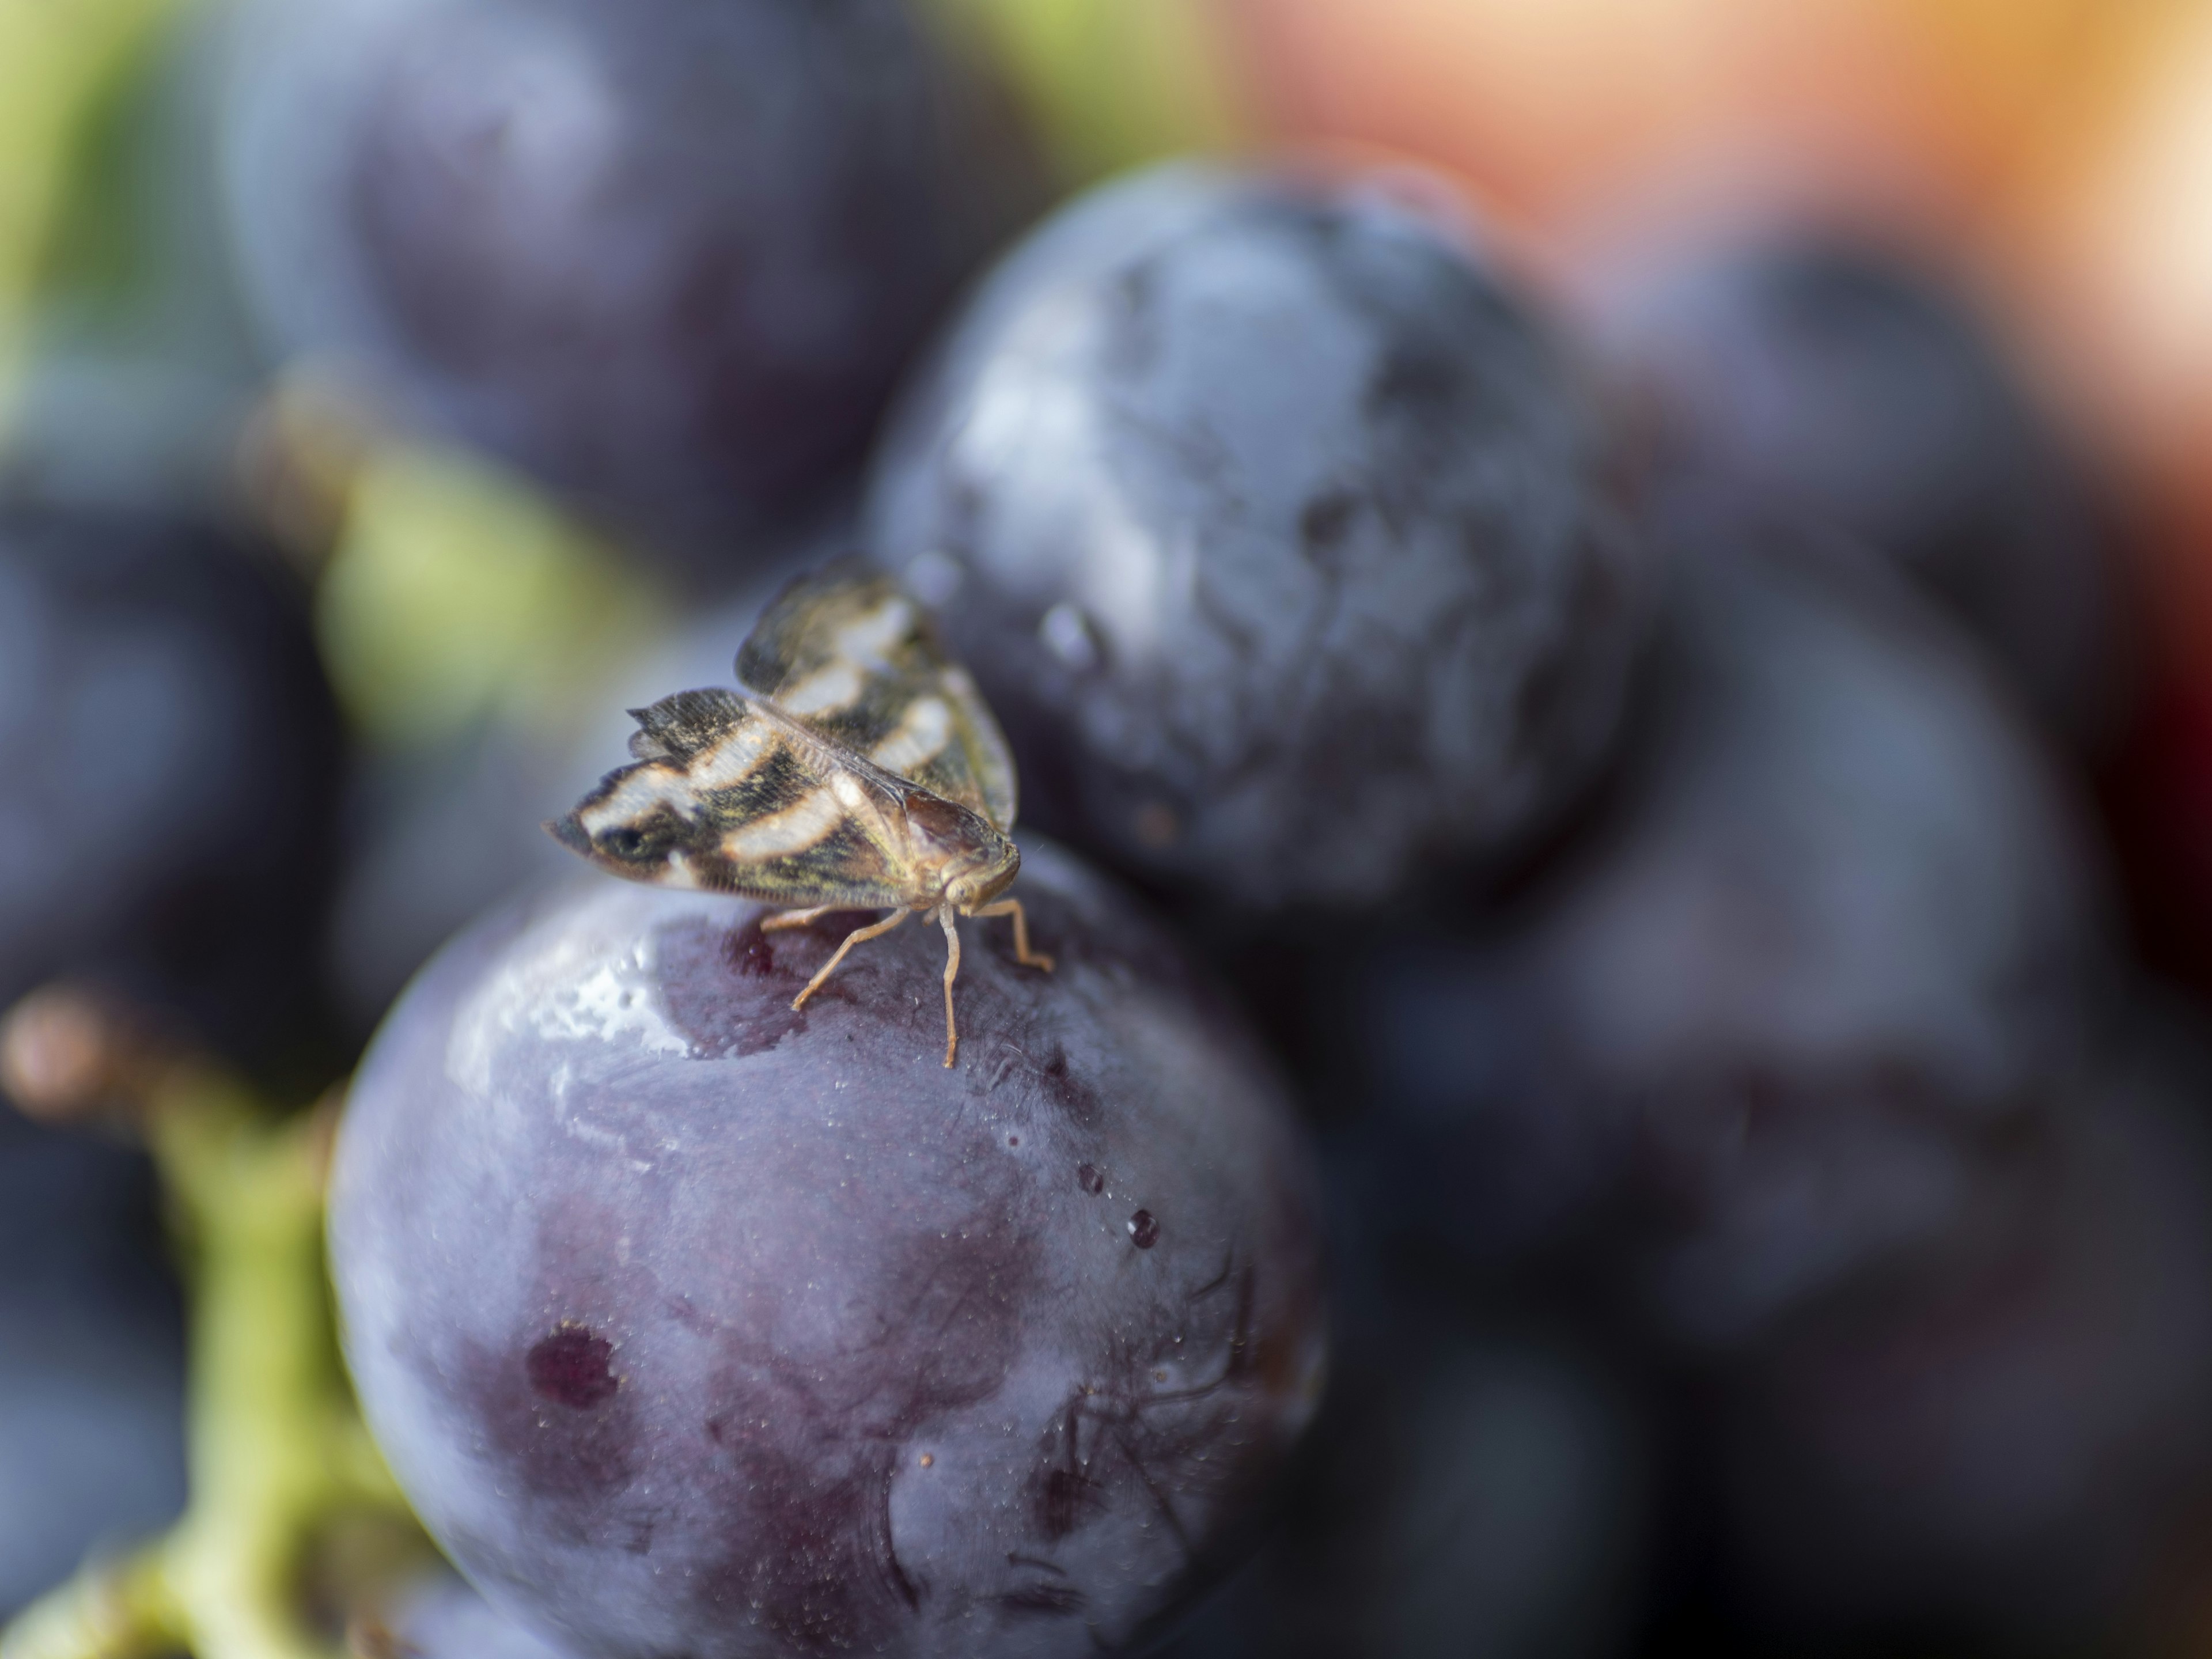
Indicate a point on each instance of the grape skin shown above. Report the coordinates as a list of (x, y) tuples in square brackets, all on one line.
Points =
[(1837, 923), (695, 1325), (1277, 528), (670, 258), (1842, 383)]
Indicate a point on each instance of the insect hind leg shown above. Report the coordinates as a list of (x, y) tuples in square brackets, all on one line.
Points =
[(871, 931), (777, 920), (1022, 954)]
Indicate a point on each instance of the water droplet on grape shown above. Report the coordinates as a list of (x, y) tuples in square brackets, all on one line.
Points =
[(1144, 1230)]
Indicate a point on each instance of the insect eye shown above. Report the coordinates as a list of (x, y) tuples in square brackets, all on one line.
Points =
[(626, 843)]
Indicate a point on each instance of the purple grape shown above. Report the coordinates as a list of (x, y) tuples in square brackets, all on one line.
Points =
[(1845, 384), (2014, 1435), (669, 257), (1276, 528), (443, 1619), (694, 1324), (169, 770), (1836, 926), (92, 1411)]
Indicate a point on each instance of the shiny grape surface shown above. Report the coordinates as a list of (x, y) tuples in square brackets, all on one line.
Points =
[(1278, 529), (695, 1325)]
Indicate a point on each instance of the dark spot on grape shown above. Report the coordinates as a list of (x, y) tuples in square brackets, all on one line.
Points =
[(1144, 1230), (750, 952), (567, 1456), (1088, 1178), (727, 991), (573, 1367), (1074, 1097), (1323, 525), (1013, 1140)]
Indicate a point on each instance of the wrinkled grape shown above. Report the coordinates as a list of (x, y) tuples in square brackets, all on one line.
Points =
[(1276, 528)]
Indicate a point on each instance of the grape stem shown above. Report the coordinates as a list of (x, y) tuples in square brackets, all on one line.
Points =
[(276, 1447)]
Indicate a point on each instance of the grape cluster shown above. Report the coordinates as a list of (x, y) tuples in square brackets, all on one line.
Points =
[(1634, 1125)]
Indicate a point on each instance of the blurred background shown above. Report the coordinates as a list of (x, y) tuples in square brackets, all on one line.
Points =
[(393, 391)]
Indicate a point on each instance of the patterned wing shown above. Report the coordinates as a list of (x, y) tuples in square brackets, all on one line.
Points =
[(844, 652), (725, 795)]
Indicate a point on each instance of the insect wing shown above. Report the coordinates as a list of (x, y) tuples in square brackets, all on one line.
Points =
[(846, 654), (724, 795)]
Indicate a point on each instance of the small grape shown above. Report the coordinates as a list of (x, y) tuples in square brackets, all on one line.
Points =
[(693, 1323), (92, 1411), (1276, 528), (2015, 1435), (669, 258), (1845, 384), (1837, 922), (169, 769)]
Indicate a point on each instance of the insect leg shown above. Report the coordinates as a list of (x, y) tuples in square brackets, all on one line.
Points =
[(776, 922), (951, 972), (1022, 954), (852, 938)]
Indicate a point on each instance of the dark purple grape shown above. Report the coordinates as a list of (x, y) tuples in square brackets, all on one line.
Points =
[(1846, 384), (91, 1358), (1275, 527), (2011, 1437), (169, 767), (670, 257), (693, 1324), (1836, 925), (1468, 1489)]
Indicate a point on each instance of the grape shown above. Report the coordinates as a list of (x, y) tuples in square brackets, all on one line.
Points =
[(91, 1358), (1472, 1488), (1843, 383), (169, 769), (443, 1619), (2011, 1435), (1836, 925), (669, 257), (1275, 527), (694, 1324)]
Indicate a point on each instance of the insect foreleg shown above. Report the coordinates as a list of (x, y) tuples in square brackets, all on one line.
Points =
[(852, 938), (951, 972), (1022, 954)]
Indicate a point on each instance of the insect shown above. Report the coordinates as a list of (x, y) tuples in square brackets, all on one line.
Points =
[(859, 769)]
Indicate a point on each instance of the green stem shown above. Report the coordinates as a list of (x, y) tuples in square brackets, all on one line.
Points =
[(275, 1444)]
